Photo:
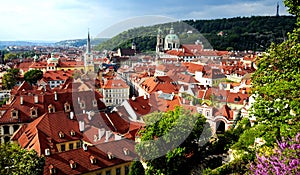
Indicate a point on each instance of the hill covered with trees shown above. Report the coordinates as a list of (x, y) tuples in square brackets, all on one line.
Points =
[(239, 33)]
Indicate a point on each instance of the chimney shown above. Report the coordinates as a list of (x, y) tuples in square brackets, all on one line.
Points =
[(107, 135), (118, 137), (21, 100), (101, 133), (243, 91), (81, 126), (145, 97), (71, 115), (36, 99), (85, 147), (47, 152), (133, 98), (95, 138), (89, 115), (55, 96)]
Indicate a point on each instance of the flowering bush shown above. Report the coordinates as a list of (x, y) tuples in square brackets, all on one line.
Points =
[(284, 160)]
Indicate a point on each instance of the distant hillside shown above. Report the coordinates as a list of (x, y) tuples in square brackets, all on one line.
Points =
[(4, 44), (240, 33), (80, 42)]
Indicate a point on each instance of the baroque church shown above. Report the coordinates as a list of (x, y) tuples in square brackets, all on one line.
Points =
[(169, 42)]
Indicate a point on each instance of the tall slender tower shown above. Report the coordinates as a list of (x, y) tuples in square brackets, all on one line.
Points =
[(88, 57), (88, 43), (277, 12), (159, 42)]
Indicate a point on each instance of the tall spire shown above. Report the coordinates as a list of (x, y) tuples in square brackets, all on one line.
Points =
[(88, 43), (277, 12)]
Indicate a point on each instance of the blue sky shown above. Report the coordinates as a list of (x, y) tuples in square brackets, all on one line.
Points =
[(70, 19)]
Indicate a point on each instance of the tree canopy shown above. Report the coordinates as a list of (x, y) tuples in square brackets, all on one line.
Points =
[(170, 138), (9, 79), (239, 33), (276, 84), (17, 161), (33, 76), (136, 168)]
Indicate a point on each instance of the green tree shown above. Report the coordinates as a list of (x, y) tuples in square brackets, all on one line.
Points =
[(10, 56), (293, 7), (9, 79), (169, 138), (33, 76), (17, 161), (136, 168), (276, 84)]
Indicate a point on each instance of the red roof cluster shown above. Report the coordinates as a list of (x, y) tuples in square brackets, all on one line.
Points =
[(160, 83)]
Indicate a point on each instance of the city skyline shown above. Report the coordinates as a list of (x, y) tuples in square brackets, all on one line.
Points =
[(70, 19)]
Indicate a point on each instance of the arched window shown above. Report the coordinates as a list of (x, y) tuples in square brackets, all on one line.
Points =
[(220, 126)]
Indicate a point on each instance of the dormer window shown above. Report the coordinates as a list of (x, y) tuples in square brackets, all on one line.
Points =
[(52, 169), (51, 108), (110, 155), (33, 112), (93, 159), (14, 114), (95, 103), (72, 133), (237, 99), (61, 134), (67, 107), (126, 151), (72, 164), (82, 104)]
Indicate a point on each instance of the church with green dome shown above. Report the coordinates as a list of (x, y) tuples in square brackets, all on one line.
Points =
[(170, 42)]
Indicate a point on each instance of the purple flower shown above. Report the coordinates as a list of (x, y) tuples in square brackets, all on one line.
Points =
[(284, 160)]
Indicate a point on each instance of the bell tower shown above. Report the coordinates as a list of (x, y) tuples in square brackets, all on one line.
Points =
[(88, 56), (159, 42)]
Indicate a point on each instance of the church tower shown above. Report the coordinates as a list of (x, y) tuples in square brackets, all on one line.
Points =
[(159, 42), (172, 40), (88, 56)]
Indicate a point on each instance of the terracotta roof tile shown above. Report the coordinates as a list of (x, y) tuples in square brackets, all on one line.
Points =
[(61, 161)]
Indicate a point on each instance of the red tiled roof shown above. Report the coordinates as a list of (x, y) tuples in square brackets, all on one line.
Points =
[(57, 75), (192, 48), (115, 84), (140, 106), (36, 134), (61, 161), (179, 53), (69, 94), (41, 64), (24, 66), (160, 83), (69, 64), (226, 112), (193, 67), (214, 74)]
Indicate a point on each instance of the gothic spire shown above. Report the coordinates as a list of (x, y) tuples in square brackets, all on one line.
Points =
[(88, 43)]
